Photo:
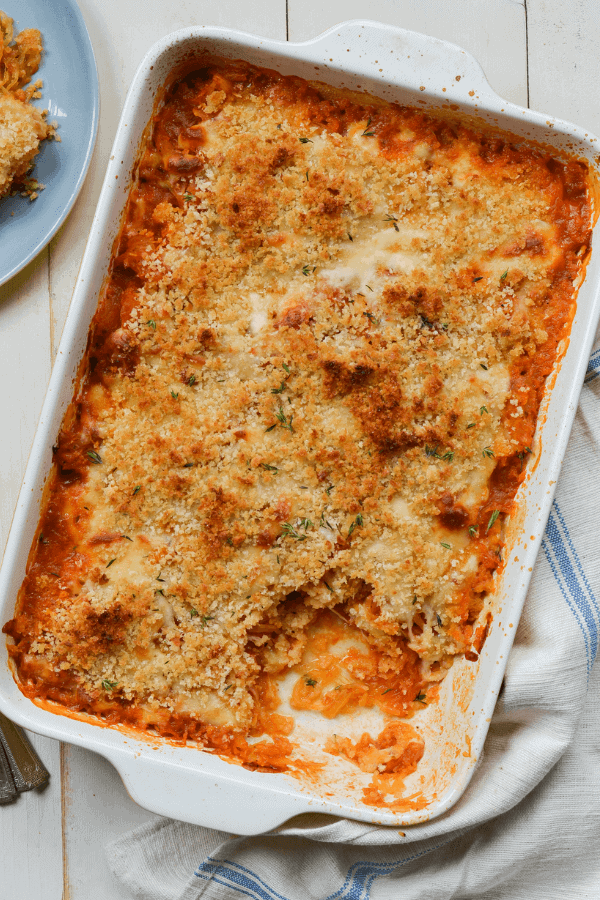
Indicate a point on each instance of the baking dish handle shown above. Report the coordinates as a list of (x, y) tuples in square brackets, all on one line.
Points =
[(212, 799), (425, 64)]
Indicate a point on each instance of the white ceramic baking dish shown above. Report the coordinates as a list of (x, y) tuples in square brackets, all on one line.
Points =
[(196, 786)]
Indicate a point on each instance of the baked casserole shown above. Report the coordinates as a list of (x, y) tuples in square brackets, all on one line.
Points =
[(309, 397)]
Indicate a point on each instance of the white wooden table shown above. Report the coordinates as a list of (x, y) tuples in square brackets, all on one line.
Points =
[(542, 53)]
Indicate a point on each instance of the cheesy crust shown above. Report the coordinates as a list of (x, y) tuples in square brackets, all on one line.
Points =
[(311, 384)]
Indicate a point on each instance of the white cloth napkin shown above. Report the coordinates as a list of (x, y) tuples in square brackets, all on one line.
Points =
[(527, 827)]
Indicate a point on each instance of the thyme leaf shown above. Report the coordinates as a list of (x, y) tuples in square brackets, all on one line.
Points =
[(420, 698), (310, 682), (152, 324), (487, 452), (479, 278), (137, 488), (193, 612), (283, 420), (446, 545), (503, 276), (493, 518), (290, 531), (358, 522), (473, 530), (95, 457), (482, 410), (279, 390), (305, 140), (174, 394), (366, 132), (111, 561), (109, 685), (269, 468), (191, 380)]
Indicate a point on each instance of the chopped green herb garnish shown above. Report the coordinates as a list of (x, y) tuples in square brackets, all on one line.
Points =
[(310, 682), (324, 523), (488, 452), (305, 140), (279, 390), (327, 586), (471, 425), (290, 531), (307, 174), (174, 395), (473, 530), (370, 315), (95, 457), (366, 132), (493, 518), (414, 600), (479, 278), (386, 691), (447, 546), (229, 540), (432, 451), (188, 196), (420, 698), (389, 218), (503, 276), (158, 578), (152, 324), (482, 410), (439, 621), (193, 612), (136, 489), (127, 538), (111, 561), (271, 427), (227, 687), (357, 523), (350, 236), (191, 380), (205, 619), (109, 685), (269, 468), (281, 418), (329, 489), (522, 453), (483, 366), (188, 465), (286, 367)]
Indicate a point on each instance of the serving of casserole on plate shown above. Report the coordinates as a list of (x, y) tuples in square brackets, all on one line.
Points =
[(280, 522)]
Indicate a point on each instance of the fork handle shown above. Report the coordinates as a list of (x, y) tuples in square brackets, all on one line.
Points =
[(25, 766)]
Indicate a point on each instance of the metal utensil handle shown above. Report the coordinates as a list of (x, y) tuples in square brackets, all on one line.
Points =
[(27, 769), (8, 790)]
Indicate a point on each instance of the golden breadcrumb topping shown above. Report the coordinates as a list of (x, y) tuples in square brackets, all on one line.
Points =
[(312, 383)]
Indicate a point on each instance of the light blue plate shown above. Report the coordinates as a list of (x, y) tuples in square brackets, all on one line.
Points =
[(70, 94)]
